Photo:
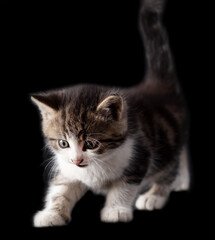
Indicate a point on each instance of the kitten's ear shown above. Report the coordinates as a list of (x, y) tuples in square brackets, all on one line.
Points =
[(111, 107), (48, 104)]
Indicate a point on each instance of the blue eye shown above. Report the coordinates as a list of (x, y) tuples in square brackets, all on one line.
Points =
[(63, 143)]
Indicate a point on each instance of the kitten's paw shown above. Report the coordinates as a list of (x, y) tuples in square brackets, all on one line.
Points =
[(48, 218), (109, 214), (150, 202)]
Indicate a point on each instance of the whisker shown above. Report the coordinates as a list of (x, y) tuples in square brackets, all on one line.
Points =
[(49, 164), (52, 171), (100, 167), (50, 167), (103, 164), (47, 161)]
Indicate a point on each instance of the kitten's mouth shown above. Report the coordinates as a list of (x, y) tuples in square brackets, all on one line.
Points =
[(82, 165)]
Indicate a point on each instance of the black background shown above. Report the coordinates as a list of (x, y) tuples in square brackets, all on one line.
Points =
[(51, 44)]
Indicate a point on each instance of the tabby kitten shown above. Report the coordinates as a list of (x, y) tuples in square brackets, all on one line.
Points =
[(129, 144)]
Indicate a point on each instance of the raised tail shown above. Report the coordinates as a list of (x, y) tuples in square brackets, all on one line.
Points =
[(159, 62)]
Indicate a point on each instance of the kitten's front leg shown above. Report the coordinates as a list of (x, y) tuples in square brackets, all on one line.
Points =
[(119, 202), (61, 197)]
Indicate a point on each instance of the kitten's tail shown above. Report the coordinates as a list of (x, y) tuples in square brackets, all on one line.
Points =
[(158, 55)]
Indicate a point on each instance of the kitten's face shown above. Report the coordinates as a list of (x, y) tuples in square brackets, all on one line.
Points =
[(82, 131)]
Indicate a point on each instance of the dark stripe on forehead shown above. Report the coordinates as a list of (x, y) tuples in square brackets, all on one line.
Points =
[(69, 121), (63, 113), (63, 118), (71, 126)]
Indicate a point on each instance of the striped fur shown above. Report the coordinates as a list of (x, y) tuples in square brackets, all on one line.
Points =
[(127, 143)]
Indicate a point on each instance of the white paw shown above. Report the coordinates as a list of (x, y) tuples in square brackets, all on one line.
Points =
[(150, 202), (48, 218), (110, 214)]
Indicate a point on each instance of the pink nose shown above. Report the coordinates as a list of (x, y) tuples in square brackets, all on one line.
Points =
[(78, 161)]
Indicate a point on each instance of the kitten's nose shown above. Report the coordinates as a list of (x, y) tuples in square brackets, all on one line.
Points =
[(78, 161)]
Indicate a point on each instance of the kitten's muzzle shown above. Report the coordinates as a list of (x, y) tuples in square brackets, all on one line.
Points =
[(78, 162)]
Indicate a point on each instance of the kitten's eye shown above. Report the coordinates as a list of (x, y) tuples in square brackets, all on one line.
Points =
[(89, 144), (63, 143)]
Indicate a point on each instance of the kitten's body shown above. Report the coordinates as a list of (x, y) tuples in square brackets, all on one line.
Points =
[(129, 144)]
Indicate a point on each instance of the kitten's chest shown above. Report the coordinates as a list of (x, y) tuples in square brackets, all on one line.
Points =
[(91, 176), (95, 179), (100, 178)]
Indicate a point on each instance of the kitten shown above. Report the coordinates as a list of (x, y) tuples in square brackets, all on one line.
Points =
[(129, 144)]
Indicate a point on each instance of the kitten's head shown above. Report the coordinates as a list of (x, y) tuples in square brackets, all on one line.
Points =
[(82, 123)]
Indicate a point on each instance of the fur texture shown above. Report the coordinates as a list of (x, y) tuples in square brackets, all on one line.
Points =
[(129, 144)]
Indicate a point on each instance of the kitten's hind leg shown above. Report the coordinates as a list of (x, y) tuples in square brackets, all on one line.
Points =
[(182, 181), (155, 198)]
